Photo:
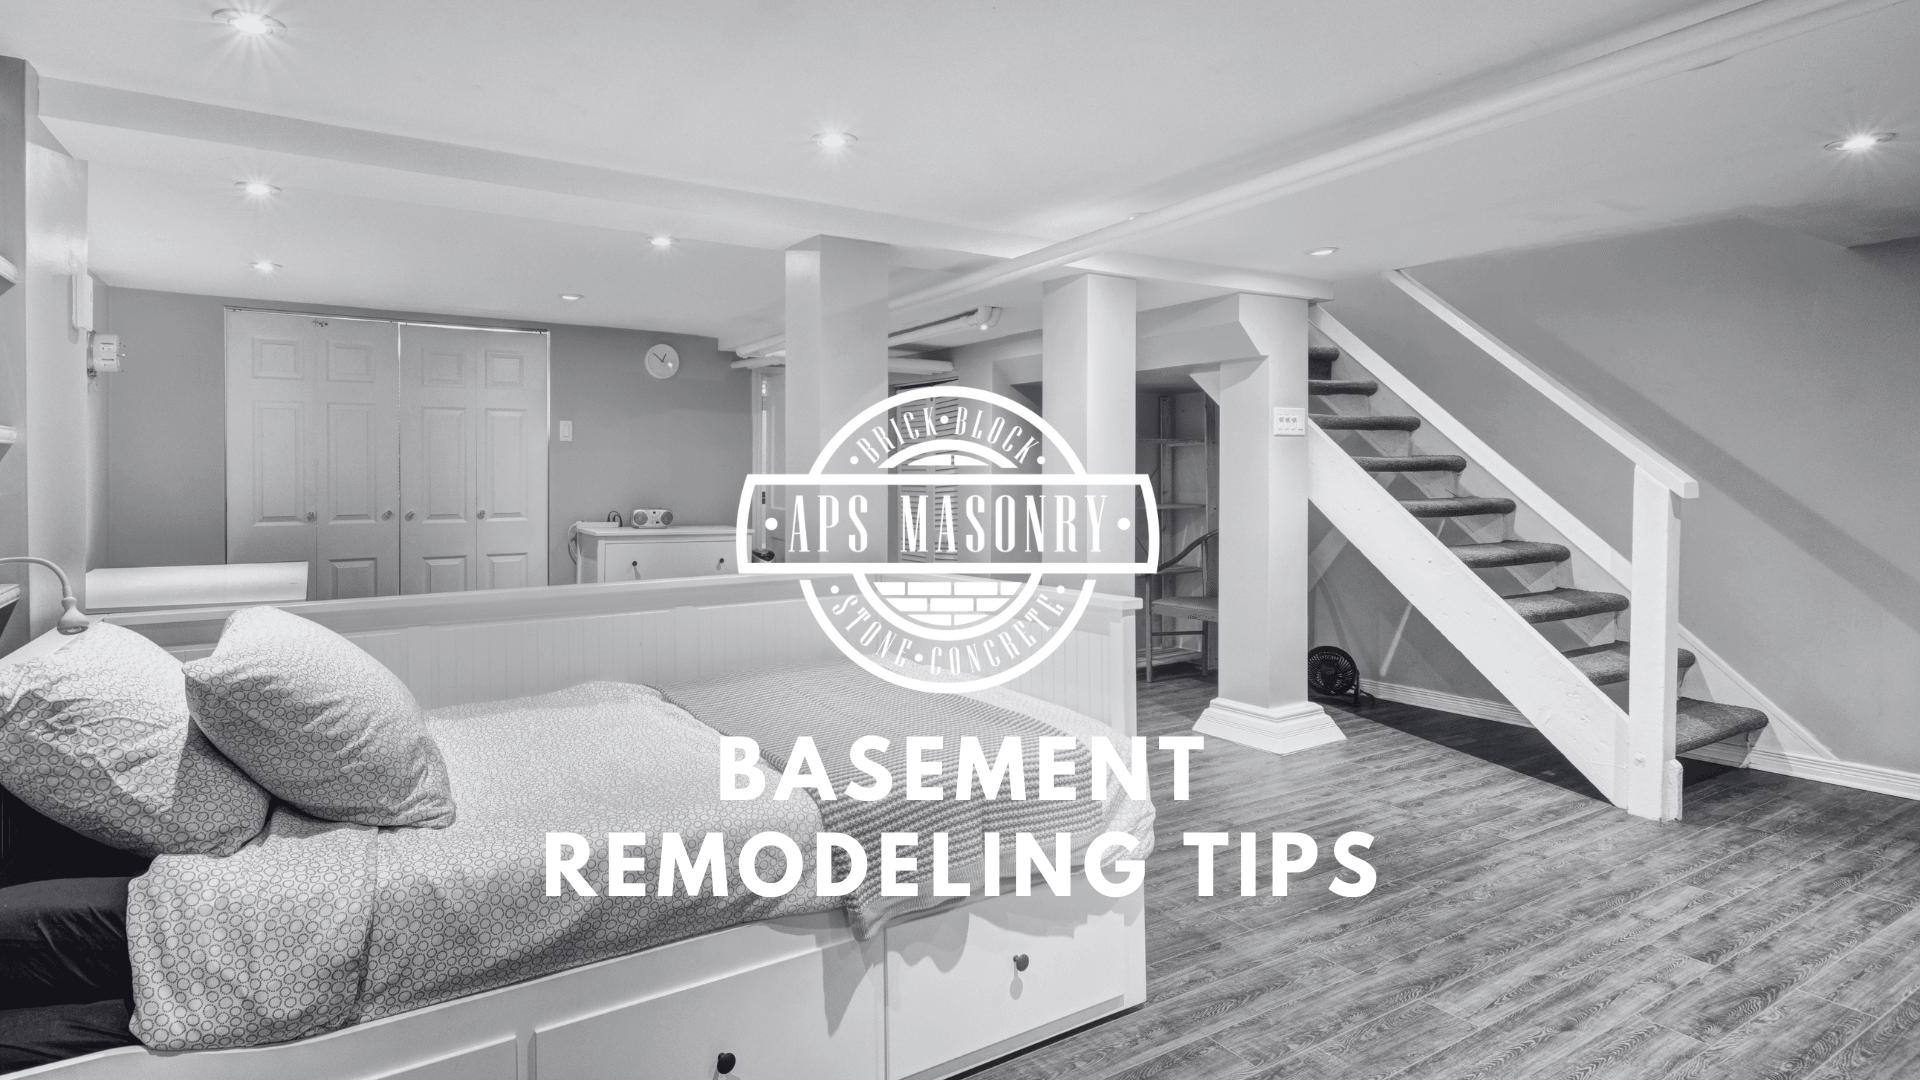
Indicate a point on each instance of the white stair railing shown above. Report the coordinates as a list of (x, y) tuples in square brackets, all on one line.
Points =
[(1652, 575)]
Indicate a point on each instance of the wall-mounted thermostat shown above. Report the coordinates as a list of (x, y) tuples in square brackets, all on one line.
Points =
[(103, 354), (662, 361)]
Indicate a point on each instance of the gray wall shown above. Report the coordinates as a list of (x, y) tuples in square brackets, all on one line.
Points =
[(1782, 371), (681, 442), (684, 443)]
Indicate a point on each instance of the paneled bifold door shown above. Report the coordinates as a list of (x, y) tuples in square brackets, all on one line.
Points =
[(313, 460), (388, 457), (473, 459)]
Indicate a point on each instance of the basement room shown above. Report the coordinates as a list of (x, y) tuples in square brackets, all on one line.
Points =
[(1069, 541)]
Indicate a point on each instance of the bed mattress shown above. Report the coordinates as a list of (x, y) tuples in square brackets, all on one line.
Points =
[(317, 925)]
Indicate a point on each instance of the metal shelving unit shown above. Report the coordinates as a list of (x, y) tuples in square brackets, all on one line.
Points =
[(1181, 609)]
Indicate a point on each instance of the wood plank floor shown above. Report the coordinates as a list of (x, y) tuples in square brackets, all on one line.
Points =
[(1521, 927)]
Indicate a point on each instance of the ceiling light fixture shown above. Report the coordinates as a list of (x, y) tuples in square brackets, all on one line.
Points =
[(1323, 251), (257, 188), (571, 296), (835, 140), (250, 23), (265, 267), (662, 241), (1865, 141)]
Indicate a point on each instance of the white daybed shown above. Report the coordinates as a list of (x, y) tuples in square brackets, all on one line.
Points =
[(932, 995)]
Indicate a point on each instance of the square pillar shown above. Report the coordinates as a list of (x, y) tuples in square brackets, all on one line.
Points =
[(1263, 541), (836, 339), (836, 353), (1087, 378)]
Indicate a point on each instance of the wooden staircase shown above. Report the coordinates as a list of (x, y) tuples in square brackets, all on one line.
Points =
[(1458, 556)]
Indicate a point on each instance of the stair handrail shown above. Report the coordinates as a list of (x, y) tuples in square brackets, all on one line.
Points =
[(1503, 471), (1616, 435), (1652, 576)]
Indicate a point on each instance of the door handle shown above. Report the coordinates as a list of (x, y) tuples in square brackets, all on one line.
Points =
[(409, 515), (483, 515), (312, 517), (386, 515)]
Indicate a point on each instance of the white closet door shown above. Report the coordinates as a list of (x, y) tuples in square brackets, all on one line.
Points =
[(473, 459), (313, 449)]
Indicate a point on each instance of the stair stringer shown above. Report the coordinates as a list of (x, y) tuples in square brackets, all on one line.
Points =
[(1580, 720), (1595, 563)]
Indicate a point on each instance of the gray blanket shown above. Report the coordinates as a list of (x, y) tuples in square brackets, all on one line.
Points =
[(836, 703)]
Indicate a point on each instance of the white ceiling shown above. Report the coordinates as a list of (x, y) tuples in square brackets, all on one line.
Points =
[(483, 157)]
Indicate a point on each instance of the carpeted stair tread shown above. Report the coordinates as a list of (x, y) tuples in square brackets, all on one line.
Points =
[(1464, 506), (1510, 553), (1323, 387), (1556, 604), (1320, 360), (1412, 463), (1699, 723), (1608, 663), (1364, 422)]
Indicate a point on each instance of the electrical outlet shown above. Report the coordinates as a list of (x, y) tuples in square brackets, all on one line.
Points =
[(1290, 422), (566, 431)]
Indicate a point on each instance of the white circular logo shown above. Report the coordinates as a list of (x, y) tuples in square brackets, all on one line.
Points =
[(949, 537)]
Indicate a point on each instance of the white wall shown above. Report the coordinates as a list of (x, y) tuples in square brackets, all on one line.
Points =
[(1782, 371), (59, 413), (46, 493)]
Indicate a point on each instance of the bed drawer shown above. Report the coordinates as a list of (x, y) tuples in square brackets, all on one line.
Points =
[(955, 992), (813, 1015)]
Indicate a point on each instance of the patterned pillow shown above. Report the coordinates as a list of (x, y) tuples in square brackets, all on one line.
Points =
[(96, 737), (318, 722)]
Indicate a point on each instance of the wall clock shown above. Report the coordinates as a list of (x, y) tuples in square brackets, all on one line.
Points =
[(662, 361)]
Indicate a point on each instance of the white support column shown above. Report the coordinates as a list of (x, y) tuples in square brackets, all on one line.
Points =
[(836, 348), (1263, 541), (836, 339), (1653, 622), (1087, 377)]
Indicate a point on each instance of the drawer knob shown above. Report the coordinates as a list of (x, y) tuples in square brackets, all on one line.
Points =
[(1020, 961), (724, 1065)]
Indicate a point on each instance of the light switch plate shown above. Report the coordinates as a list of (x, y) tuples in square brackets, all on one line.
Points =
[(1290, 422), (566, 431)]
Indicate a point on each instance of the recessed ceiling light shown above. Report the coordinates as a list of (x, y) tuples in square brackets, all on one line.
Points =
[(571, 296), (250, 23), (1323, 251), (257, 188), (661, 241), (835, 140), (265, 266), (1864, 141)]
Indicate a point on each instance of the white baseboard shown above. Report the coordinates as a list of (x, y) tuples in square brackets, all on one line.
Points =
[(1851, 774), (1284, 730), (1735, 752), (1440, 700)]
